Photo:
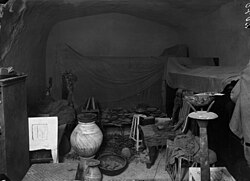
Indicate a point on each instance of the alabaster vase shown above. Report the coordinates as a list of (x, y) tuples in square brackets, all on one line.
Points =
[(86, 139)]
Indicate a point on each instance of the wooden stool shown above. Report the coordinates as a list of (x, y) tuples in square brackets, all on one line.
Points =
[(134, 132)]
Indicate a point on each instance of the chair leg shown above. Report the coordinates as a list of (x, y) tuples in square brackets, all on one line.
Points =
[(54, 155), (134, 133), (179, 169), (132, 129), (137, 138)]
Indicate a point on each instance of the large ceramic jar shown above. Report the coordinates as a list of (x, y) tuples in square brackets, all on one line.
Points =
[(87, 137)]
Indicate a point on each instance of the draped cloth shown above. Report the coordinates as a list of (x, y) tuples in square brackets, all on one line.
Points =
[(108, 79), (240, 121), (199, 74)]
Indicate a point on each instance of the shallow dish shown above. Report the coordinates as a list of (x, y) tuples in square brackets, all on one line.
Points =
[(202, 99), (112, 164)]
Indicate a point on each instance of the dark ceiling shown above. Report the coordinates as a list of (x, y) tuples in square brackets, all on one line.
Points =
[(168, 12)]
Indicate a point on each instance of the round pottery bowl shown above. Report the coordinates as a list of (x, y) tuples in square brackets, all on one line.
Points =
[(112, 164), (202, 99)]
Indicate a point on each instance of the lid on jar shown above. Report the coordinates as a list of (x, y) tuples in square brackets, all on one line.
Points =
[(86, 117)]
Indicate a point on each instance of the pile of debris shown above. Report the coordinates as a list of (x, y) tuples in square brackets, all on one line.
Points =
[(120, 116), (119, 144), (123, 145)]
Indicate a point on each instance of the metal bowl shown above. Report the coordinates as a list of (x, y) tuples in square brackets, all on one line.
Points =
[(199, 100), (112, 164)]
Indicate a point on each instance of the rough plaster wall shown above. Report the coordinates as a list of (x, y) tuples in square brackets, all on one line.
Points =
[(111, 34), (27, 53), (221, 34), (27, 57)]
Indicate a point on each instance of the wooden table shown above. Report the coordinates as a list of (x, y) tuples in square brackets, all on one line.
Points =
[(52, 172)]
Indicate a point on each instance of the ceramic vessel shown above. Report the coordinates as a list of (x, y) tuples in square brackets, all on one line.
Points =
[(86, 139), (92, 172)]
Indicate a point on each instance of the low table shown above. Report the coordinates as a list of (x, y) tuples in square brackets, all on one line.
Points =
[(51, 172), (153, 137)]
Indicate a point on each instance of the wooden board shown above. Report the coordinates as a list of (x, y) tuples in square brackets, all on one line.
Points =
[(216, 173), (51, 172)]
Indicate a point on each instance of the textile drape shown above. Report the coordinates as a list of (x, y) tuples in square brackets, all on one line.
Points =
[(108, 79), (199, 74)]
